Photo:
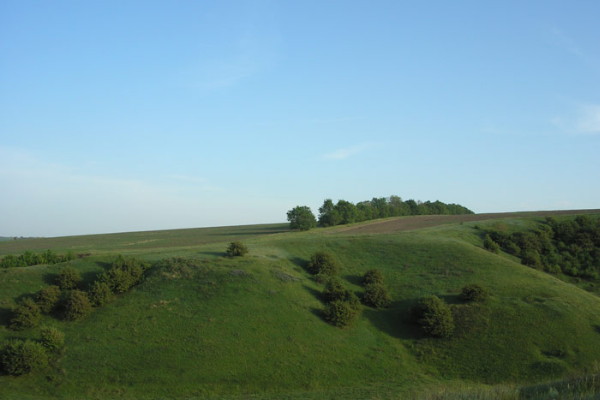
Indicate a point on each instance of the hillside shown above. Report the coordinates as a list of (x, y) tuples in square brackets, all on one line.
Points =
[(221, 327)]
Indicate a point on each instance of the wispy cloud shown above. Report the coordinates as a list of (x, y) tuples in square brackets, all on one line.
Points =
[(566, 42), (584, 121), (346, 152)]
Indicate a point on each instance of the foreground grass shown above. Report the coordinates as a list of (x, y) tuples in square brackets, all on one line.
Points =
[(252, 327)]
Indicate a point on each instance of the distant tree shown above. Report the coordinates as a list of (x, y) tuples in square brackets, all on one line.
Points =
[(68, 278), (76, 305), (328, 215), (435, 317), (236, 249), (301, 218), (322, 263), (20, 357), (346, 211)]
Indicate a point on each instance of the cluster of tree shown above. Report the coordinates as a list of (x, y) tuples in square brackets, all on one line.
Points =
[(570, 246), (18, 357), (28, 258), (436, 317), (67, 300), (345, 212)]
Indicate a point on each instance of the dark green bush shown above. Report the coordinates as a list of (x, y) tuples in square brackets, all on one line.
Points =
[(76, 305), (48, 298), (335, 290), (340, 313), (52, 339), (236, 249), (490, 245), (322, 263), (123, 274), (68, 278), (373, 276), (376, 295), (100, 294), (435, 317), (26, 315), (21, 357), (531, 258), (473, 292)]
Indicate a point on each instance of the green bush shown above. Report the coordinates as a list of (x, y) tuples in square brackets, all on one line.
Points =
[(376, 295), (123, 274), (340, 313), (473, 292), (322, 263), (26, 315), (21, 357), (68, 278), (48, 298), (236, 249), (335, 290), (301, 218), (490, 245), (52, 339), (372, 276), (435, 317), (100, 294), (76, 305)]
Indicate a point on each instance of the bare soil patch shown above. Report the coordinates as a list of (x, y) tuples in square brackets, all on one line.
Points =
[(426, 221)]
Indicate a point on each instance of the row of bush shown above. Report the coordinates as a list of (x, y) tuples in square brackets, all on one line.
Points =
[(67, 300), (570, 246), (29, 258)]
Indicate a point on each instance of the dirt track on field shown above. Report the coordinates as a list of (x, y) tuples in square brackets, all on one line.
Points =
[(426, 221)]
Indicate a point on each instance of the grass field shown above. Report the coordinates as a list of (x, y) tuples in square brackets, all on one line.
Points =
[(252, 327)]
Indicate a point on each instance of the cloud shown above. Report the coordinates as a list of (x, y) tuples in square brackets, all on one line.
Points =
[(346, 152), (584, 121), (568, 44), (588, 121)]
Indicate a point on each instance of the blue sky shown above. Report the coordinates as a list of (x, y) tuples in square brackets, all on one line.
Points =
[(138, 115)]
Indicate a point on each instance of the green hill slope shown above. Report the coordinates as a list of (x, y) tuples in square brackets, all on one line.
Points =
[(253, 325)]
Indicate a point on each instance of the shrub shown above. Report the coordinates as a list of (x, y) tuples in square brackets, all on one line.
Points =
[(323, 263), (48, 298), (52, 339), (236, 249), (100, 294), (123, 274), (76, 305), (473, 292), (340, 313), (532, 258), (335, 290), (21, 357), (26, 315), (435, 317), (68, 278), (376, 295), (372, 276), (490, 245)]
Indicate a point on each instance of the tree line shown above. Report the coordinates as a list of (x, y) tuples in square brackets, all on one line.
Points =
[(345, 212)]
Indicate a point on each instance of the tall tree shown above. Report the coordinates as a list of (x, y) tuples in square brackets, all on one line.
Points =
[(301, 218)]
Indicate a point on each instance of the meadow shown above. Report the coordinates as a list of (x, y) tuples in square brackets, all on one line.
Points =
[(253, 327)]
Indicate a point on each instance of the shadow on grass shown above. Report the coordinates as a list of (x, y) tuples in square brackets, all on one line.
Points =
[(213, 253), (452, 299), (302, 263), (396, 320), (317, 294), (5, 315), (87, 278), (353, 279), (50, 278)]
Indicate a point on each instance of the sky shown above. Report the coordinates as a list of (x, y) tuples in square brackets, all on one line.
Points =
[(143, 115)]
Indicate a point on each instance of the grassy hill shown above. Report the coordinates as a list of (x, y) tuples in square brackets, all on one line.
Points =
[(252, 327)]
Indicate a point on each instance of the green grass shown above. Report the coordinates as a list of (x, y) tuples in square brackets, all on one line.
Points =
[(251, 327)]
